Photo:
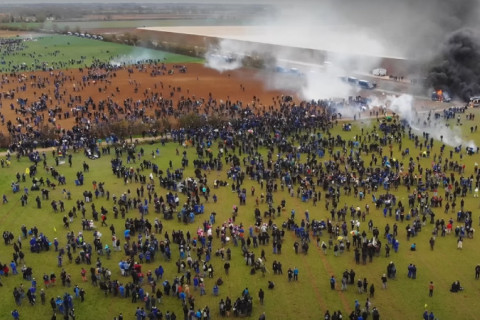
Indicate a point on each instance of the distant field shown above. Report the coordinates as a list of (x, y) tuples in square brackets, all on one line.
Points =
[(23, 25), (101, 24), (59, 51)]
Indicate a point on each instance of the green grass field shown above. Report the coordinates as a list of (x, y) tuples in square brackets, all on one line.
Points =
[(62, 51), (23, 25), (306, 299)]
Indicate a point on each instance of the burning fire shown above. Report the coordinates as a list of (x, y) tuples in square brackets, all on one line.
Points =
[(440, 95)]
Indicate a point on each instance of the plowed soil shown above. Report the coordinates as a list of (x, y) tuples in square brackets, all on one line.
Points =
[(198, 82)]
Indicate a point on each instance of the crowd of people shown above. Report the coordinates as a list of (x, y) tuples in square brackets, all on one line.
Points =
[(303, 160)]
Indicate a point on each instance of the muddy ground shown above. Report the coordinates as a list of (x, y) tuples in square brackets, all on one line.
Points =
[(198, 83)]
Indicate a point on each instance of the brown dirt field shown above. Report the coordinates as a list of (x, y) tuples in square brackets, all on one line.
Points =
[(9, 33), (197, 83)]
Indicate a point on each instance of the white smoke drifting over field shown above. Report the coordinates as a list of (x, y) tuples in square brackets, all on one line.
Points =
[(138, 55), (411, 29), (420, 122), (224, 57), (319, 26)]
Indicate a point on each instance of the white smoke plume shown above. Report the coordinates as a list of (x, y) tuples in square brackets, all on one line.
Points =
[(342, 46), (138, 55), (420, 122), (224, 56), (325, 86)]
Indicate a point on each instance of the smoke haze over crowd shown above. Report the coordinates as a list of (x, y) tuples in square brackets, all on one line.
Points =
[(410, 29)]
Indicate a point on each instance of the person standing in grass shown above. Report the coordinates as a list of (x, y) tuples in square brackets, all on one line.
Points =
[(344, 282), (430, 289), (360, 286), (372, 290), (295, 274), (83, 273), (261, 295), (13, 267), (324, 247), (332, 282), (365, 285), (425, 315), (327, 315), (384, 281), (42, 296), (53, 304), (15, 314)]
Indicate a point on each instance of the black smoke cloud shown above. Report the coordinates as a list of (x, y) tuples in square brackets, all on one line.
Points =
[(457, 67)]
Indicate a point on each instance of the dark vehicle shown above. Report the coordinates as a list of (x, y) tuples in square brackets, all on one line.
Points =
[(364, 84), (352, 80)]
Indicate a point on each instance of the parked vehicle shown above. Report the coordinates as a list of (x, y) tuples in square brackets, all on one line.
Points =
[(364, 84), (475, 102), (379, 72)]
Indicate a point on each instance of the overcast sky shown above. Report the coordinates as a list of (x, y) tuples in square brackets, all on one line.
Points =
[(142, 1)]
